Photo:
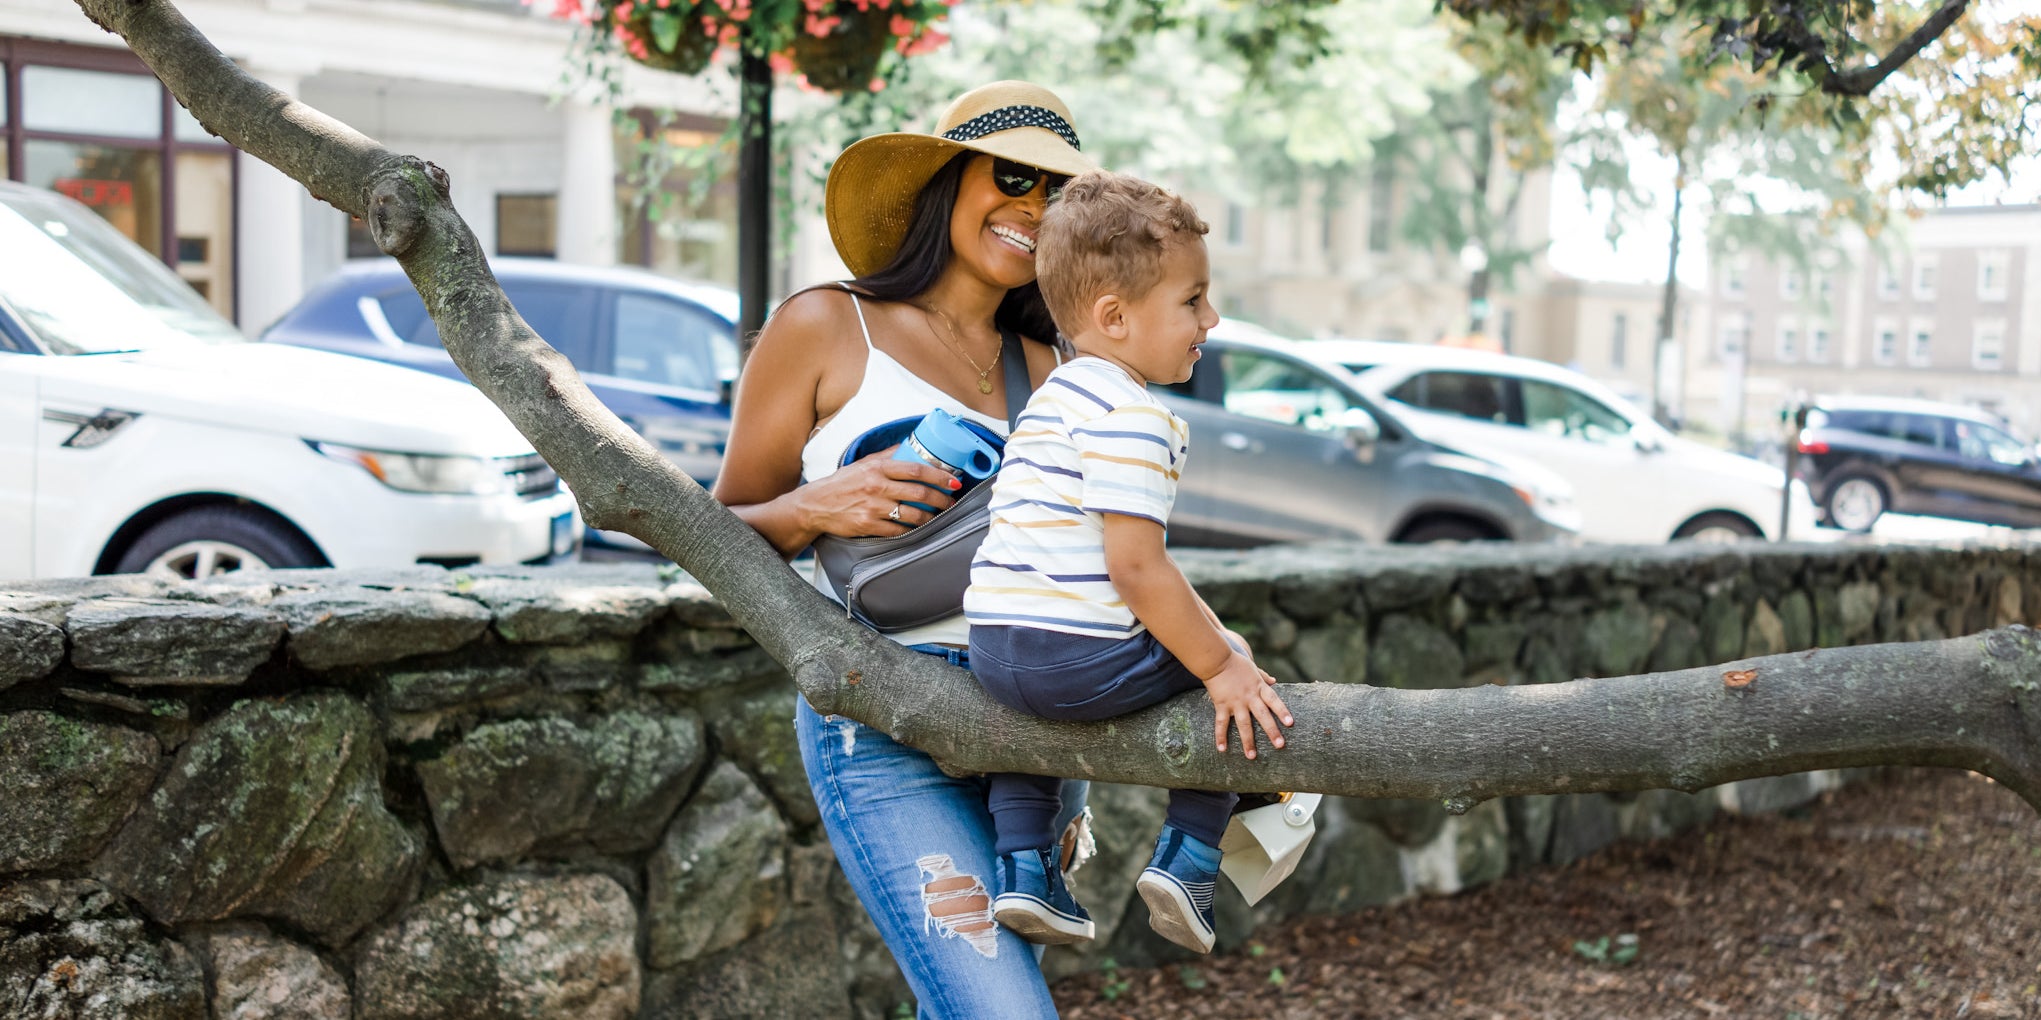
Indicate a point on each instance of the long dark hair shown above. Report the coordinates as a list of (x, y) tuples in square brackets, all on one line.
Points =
[(925, 252)]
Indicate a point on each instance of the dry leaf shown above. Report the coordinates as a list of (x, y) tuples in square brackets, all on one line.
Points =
[(1739, 677)]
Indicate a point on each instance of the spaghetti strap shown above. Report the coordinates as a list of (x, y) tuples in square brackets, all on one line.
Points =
[(859, 305)]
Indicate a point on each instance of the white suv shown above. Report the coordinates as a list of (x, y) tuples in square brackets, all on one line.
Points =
[(140, 432), (1635, 481)]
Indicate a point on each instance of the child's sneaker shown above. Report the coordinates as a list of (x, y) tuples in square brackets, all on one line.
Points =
[(1034, 903), (1178, 888)]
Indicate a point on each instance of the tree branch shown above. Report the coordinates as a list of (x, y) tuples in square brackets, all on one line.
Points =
[(1972, 702), (1861, 81)]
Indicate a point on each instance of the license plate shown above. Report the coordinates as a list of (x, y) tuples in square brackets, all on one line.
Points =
[(563, 534)]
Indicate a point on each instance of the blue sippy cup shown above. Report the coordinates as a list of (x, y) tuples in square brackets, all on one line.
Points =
[(943, 441)]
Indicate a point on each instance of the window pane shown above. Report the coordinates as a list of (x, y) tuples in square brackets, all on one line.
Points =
[(1281, 391), (91, 102), (186, 128), (1919, 429), (1467, 394), (562, 316), (205, 226), (661, 341), (526, 225), (1559, 411), (121, 185)]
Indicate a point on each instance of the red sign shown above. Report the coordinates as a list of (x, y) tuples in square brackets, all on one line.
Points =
[(93, 192)]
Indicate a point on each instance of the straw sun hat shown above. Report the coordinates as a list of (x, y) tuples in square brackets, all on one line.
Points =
[(872, 186)]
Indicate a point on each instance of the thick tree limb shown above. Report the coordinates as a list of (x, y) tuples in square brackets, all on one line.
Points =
[(1973, 702)]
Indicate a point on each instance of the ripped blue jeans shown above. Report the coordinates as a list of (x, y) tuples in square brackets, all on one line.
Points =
[(916, 845)]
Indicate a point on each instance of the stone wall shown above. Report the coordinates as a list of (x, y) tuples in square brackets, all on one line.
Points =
[(573, 792)]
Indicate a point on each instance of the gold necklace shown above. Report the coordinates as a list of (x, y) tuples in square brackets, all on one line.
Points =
[(956, 344)]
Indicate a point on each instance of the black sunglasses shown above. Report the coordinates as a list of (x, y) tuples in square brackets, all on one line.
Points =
[(1017, 179)]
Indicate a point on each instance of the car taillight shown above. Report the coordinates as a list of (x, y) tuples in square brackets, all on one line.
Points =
[(1802, 445)]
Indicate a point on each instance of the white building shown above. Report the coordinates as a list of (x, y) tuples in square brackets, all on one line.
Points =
[(467, 84)]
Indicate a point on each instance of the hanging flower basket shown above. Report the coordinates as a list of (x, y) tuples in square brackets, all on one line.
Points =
[(664, 38), (845, 55)]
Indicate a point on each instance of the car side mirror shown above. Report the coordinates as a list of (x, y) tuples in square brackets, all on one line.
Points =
[(1646, 442), (1359, 428)]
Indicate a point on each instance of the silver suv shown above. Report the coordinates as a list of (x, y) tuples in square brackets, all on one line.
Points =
[(1282, 449)]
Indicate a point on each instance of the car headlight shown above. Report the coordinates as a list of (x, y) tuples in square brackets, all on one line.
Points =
[(423, 472), (1554, 506)]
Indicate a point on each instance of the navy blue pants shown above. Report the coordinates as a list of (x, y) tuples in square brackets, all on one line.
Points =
[(1073, 678)]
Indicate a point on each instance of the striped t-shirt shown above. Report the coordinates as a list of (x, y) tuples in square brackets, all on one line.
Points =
[(1091, 442)]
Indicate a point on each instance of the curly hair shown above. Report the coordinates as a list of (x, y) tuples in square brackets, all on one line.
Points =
[(1107, 234)]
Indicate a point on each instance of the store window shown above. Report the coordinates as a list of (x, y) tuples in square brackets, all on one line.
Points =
[(92, 123), (527, 225)]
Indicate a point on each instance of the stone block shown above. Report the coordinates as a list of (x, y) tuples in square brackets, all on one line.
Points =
[(719, 875), (71, 950), (330, 628), (794, 969), (258, 976), (421, 690), (1658, 814), (518, 947), (30, 648), (555, 787), (1408, 823), (1582, 823), (1311, 597), (1679, 647), (1335, 652), (1618, 639), (1467, 851), (1722, 629), (592, 666), (69, 785), (755, 729), (685, 672), (1395, 588), (1493, 643), (273, 808), (1796, 619), (1769, 794), (171, 642), (1412, 654), (47, 608), (548, 610)]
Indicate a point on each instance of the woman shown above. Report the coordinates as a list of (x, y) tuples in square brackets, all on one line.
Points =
[(939, 230)]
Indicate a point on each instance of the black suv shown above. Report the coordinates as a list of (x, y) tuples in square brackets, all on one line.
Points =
[(1864, 456)]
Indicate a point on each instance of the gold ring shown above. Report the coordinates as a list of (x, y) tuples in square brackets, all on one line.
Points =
[(894, 514)]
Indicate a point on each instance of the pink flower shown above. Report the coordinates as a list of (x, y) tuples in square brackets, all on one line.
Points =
[(729, 36), (780, 63), (901, 26), (927, 42), (819, 26), (877, 85)]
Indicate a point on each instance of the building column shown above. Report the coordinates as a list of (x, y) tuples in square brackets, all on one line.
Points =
[(270, 271), (587, 209)]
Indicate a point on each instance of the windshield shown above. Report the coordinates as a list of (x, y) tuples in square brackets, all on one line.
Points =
[(83, 288)]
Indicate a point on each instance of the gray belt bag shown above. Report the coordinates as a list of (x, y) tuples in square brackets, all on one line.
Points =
[(896, 582)]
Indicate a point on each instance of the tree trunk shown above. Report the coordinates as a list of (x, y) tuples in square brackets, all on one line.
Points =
[(1971, 702)]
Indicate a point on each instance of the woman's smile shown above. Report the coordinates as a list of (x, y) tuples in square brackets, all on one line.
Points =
[(1020, 240)]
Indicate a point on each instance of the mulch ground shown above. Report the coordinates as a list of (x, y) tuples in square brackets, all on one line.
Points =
[(1913, 895)]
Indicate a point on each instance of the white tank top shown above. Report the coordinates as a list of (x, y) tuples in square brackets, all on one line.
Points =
[(888, 392)]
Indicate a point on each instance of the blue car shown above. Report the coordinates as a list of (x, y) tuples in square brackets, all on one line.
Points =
[(661, 353)]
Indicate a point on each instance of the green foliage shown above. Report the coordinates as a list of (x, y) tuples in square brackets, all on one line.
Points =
[(1114, 985), (1618, 951)]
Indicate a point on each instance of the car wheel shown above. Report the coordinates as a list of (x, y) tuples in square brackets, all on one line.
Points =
[(1717, 526), (215, 540), (1446, 530), (1855, 503)]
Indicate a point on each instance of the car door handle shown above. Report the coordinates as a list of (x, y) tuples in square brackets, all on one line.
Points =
[(1239, 443)]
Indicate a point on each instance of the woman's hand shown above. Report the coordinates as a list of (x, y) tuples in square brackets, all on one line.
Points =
[(869, 497)]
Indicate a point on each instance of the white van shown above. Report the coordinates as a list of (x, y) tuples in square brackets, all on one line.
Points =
[(140, 432)]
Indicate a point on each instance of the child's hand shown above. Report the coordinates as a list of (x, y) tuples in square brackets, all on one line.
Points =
[(1241, 694)]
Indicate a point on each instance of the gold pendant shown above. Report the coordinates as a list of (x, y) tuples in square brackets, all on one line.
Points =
[(984, 385)]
